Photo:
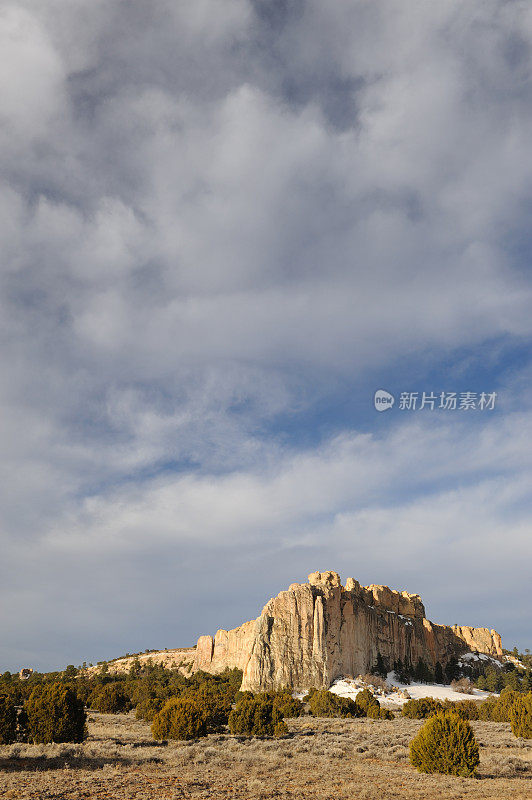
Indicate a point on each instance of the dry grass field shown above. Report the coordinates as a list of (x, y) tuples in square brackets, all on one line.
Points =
[(321, 759)]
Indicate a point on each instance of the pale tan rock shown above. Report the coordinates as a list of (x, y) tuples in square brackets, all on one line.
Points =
[(315, 632), (204, 651), (481, 639), (181, 659), (411, 605), (326, 579), (228, 648), (234, 645)]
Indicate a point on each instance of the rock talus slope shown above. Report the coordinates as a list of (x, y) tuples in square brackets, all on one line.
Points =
[(315, 632)]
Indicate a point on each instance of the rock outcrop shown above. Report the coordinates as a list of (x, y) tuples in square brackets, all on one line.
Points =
[(181, 659), (228, 648), (315, 632)]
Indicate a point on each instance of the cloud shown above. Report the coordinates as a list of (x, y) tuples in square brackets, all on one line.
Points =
[(32, 80), (424, 507), (219, 228), (415, 467)]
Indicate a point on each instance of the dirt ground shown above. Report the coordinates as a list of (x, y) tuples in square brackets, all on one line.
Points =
[(322, 759)]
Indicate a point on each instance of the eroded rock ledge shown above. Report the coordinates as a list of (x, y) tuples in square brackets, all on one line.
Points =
[(315, 632)]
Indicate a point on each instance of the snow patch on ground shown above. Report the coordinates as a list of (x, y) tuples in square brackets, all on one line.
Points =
[(350, 687)]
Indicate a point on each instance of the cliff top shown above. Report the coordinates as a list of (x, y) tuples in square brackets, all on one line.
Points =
[(403, 602)]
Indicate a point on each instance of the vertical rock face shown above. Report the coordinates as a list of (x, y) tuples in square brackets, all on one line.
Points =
[(227, 649), (482, 639), (315, 632)]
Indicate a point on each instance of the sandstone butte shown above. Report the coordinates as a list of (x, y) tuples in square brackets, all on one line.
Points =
[(318, 631)]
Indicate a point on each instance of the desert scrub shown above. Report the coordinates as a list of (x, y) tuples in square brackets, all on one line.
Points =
[(215, 701), (147, 709), (445, 744), (365, 700), (323, 703), (501, 709), (8, 720), (256, 715), (422, 708), (110, 699), (486, 709), (286, 705), (376, 712), (54, 713), (180, 718), (467, 709), (521, 716)]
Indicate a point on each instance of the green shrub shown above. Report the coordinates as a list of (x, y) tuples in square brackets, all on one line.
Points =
[(481, 683), (55, 714), (521, 716), (8, 720), (323, 703), (422, 708), (371, 707), (262, 714), (255, 716), (180, 718), (241, 695), (148, 709), (445, 744), (140, 690), (486, 709), (503, 705), (286, 705), (110, 699), (383, 713), (280, 729), (83, 689), (368, 703), (215, 701), (374, 711), (466, 709), (13, 692), (499, 709)]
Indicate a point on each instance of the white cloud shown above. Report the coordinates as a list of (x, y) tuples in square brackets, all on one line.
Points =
[(418, 471), (213, 217), (426, 507)]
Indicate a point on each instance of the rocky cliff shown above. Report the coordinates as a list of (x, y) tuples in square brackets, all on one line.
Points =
[(315, 632)]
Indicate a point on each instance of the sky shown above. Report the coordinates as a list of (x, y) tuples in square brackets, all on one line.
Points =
[(223, 227)]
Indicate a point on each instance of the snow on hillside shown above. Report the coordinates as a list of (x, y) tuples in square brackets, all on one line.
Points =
[(473, 659), (349, 687)]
